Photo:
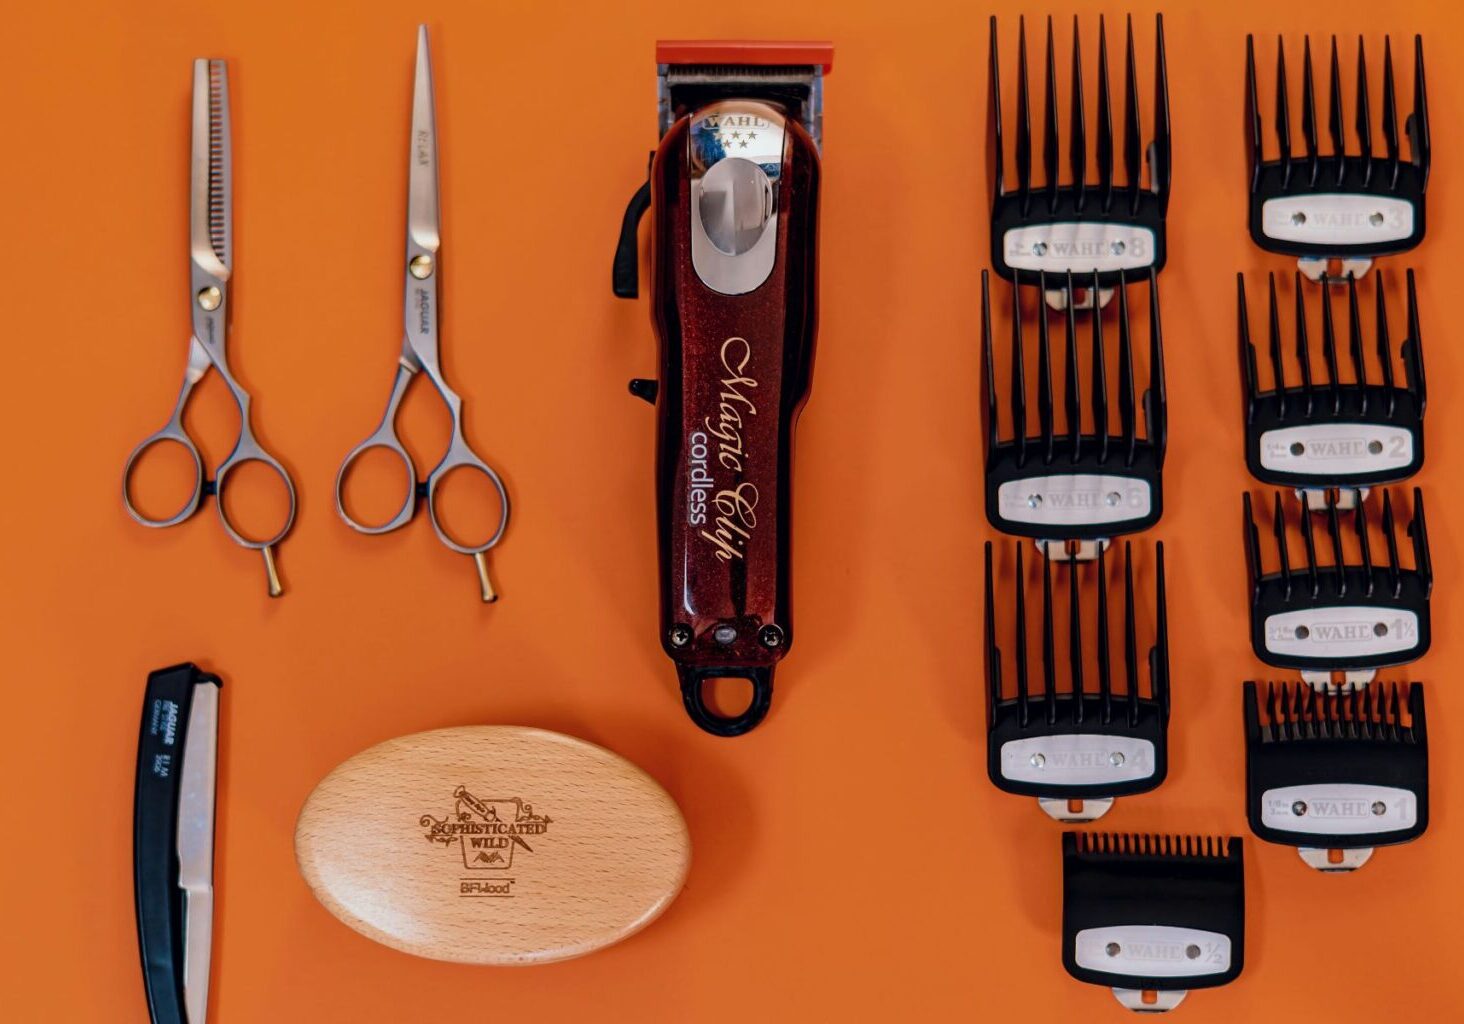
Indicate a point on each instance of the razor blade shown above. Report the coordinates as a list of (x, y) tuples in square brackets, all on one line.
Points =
[(1334, 433), (1339, 206), (1152, 916), (1337, 773), (1072, 490), (1349, 616), (1109, 226), (1079, 748)]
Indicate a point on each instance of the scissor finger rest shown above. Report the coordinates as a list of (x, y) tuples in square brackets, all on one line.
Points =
[(173, 432), (249, 451)]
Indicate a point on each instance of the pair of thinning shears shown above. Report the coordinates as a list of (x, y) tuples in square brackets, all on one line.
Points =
[(211, 257), (419, 346)]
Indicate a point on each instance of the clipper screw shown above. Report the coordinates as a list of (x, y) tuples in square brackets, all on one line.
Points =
[(770, 636), (679, 636)]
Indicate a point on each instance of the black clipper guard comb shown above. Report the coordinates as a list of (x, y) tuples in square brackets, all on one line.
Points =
[(1334, 434), (1350, 207), (1070, 487), (1084, 227), (1152, 916), (1336, 774), (1078, 749), (1348, 616)]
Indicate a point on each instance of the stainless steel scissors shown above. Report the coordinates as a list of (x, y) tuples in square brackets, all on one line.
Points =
[(419, 345), (211, 255)]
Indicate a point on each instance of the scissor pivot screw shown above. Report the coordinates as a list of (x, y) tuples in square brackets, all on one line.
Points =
[(679, 636), (209, 298), (421, 267)]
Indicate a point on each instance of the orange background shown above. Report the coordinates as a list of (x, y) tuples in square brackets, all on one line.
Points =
[(851, 859)]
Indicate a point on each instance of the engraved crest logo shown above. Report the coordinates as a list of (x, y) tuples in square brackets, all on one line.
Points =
[(487, 833)]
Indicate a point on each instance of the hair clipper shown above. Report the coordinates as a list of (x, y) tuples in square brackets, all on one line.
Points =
[(733, 194)]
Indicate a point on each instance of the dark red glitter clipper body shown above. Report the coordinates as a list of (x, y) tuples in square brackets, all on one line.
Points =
[(733, 193)]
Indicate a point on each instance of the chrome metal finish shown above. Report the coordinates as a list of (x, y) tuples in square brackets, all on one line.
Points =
[(1075, 812), (735, 159), (1345, 860), (1157, 1002), (419, 351), (211, 256)]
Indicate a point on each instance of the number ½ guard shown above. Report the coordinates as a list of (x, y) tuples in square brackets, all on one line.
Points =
[(1152, 916)]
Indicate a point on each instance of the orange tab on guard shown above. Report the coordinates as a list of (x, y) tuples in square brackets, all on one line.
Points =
[(723, 51)]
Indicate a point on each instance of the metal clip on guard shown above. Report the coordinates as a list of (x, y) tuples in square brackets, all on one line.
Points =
[(1083, 228), (1152, 916), (1337, 206), (733, 192)]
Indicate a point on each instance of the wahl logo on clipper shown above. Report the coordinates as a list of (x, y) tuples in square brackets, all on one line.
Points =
[(722, 446), (486, 832)]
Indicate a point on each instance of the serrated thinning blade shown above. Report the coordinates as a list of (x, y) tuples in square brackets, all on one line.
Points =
[(212, 167)]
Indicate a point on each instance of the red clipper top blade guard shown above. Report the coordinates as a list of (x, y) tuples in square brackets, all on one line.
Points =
[(733, 192)]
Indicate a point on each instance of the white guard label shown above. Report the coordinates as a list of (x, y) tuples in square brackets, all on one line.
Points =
[(1152, 950), (1079, 246), (1077, 759), (1338, 809), (1335, 449), (1340, 632), (1337, 219), (1078, 499)]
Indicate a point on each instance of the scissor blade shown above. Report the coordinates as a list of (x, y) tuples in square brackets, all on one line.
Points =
[(422, 217), (212, 209), (196, 845)]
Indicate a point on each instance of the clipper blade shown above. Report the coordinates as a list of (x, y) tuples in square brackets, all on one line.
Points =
[(1334, 433), (1104, 226), (1152, 916), (693, 74), (1072, 485), (1345, 770), (1347, 616), (1347, 204), (1077, 749)]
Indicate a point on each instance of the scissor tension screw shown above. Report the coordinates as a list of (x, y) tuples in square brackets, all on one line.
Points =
[(209, 298), (421, 267)]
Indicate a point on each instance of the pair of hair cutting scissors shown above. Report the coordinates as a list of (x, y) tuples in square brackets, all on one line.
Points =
[(211, 257), (420, 347)]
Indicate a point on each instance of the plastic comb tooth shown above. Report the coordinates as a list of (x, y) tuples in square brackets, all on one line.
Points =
[(1073, 489), (1336, 773), (1086, 233), (1153, 916), (1079, 741), (1353, 431), (1346, 615), (1350, 204)]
